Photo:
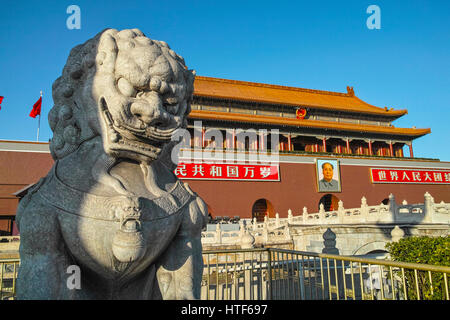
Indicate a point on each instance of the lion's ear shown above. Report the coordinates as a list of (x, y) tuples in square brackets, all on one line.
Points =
[(188, 109), (190, 77)]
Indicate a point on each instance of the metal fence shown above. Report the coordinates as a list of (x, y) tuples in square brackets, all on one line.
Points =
[(8, 276), (279, 274)]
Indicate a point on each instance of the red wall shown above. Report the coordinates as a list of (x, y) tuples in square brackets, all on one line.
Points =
[(296, 189), (17, 170)]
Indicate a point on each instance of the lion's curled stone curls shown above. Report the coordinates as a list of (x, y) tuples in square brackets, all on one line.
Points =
[(111, 203)]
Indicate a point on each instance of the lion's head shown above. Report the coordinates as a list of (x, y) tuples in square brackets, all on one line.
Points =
[(132, 91)]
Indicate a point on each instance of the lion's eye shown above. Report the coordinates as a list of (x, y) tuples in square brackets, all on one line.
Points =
[(172, 108), (171, 105), (126, 88), (170, 101)]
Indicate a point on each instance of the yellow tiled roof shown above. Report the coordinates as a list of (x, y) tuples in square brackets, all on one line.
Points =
[(274, 94)]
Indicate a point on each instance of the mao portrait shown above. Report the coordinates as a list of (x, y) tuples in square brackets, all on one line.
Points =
[(328, 175)]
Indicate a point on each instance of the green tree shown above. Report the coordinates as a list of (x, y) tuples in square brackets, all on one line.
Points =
[(424, 250)]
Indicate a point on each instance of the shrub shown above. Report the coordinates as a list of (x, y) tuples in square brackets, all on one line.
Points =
[(423, 250)]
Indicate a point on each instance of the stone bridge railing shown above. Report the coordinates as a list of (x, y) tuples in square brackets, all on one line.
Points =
[(275, 230), (246, 236), (9, 243), (427, 212)]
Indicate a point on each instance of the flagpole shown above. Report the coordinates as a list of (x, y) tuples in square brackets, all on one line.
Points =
[(39, 123)]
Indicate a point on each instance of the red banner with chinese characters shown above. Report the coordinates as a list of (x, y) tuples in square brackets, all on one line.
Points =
[(420, 176), (225, 171)]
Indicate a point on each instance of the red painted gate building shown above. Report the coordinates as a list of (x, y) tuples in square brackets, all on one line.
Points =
[(256, 149)]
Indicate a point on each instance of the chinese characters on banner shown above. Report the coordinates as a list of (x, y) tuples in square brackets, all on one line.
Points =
[(222, 171), (409, 176)]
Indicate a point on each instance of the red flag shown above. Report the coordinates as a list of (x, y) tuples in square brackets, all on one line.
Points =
[(36, 108), (1, 99)]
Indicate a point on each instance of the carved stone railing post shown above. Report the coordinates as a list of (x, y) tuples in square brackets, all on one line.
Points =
[(393, 207), (321, 213), (254, 224), (218, 234), (364, 210), (242, 228), (428, 208), (246, 239), (341, 212), (287, 233), (277, 220), (305, 215), (290, 216), (265, 232)]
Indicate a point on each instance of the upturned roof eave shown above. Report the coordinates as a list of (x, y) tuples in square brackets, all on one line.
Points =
[(317, 124)]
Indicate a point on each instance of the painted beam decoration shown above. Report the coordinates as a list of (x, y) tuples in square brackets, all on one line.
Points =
[(417, 176), (228, 171)]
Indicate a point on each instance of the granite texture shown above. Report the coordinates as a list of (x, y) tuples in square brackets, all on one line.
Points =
[(111, 204)]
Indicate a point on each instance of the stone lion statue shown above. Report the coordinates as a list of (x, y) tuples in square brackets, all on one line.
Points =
[(111, 204)]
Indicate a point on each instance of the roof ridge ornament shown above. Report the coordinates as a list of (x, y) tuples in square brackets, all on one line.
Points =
[(350, 91)]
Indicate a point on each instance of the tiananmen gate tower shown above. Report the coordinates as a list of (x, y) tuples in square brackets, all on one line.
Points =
[(322, 147)]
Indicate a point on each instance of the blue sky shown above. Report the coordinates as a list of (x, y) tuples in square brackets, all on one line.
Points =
[(311, 44)]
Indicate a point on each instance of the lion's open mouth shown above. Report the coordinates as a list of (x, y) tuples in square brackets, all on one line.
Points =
[(135, 143)]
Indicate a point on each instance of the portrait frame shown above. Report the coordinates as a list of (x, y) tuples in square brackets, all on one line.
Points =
[(334, 185)]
